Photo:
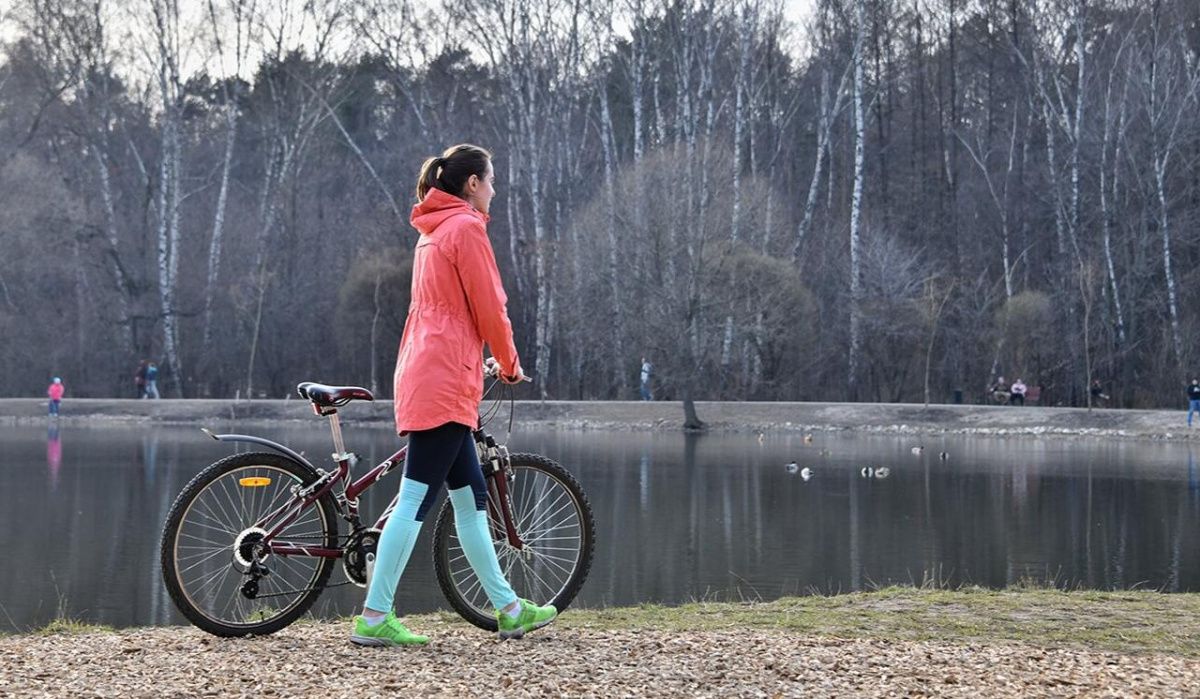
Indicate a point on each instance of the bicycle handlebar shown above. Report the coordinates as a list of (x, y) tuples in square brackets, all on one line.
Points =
[(491, 369)]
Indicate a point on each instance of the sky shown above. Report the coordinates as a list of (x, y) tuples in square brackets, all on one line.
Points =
[(796, 12)]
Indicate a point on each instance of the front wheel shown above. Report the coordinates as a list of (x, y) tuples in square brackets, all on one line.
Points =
[(553, 519), (213, 563)]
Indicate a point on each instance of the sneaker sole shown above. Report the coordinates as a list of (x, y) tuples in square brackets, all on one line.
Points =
[(380, 642), (518, 633)]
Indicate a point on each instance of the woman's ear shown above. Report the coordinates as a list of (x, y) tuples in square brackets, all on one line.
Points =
[(472, 184)]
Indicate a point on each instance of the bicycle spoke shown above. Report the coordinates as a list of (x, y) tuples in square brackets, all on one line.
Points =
[(531, 509), (205, 557), (531, 571), (542, 520), (537, 534)]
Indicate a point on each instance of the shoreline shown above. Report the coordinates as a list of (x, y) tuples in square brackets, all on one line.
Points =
[(890, 642), (721, 417)]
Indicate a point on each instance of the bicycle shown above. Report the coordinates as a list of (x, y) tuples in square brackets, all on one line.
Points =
[(251, 541)]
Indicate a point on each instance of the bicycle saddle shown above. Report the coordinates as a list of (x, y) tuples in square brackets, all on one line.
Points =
[(332, 396)]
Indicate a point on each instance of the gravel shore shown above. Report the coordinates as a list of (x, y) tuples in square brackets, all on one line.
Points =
[(315, 659)]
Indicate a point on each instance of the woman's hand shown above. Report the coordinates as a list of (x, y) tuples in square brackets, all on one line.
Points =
[(492, 368)]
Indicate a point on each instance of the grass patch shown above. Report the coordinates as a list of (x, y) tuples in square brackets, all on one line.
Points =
[(64, 626), (1125, 622)]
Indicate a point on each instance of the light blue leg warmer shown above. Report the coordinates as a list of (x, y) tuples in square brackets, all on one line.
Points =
[(472, 527), (395, 546)]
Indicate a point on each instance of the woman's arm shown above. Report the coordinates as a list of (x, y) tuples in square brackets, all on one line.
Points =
[(480, 278)]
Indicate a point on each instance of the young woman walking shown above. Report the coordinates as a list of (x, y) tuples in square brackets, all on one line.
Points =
[(458, 304)]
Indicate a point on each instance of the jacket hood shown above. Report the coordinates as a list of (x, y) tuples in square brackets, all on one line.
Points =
[(436, 207)]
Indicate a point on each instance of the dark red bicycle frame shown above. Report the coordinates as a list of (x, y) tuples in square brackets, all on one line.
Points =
[(305, 497)]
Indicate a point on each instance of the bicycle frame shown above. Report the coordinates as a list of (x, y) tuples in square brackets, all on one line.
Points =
[(346, 502)]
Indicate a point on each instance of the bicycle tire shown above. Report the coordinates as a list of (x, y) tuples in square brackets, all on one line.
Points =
[(444, 534), (169, 547)]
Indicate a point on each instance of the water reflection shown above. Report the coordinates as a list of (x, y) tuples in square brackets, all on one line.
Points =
[(678, 517), (53, 453)]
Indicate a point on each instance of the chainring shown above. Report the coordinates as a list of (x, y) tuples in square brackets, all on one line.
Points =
[(354, 559)]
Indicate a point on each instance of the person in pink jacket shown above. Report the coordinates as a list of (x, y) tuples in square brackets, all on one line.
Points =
[(458, 305), (55, 392)]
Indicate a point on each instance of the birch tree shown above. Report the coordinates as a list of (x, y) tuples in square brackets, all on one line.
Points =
[(855, 349), (1168, 73)]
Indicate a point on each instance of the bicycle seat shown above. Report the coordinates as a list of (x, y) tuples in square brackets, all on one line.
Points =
[(324, 396)]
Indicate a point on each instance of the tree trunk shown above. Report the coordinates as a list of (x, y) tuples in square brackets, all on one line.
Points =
[(856, 205), (214, 247), (614, 244)]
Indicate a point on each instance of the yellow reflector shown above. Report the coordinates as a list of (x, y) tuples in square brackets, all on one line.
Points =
[(254, 482)]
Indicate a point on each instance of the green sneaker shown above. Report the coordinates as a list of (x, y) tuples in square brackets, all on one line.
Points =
[(531, 618), (389, 633)]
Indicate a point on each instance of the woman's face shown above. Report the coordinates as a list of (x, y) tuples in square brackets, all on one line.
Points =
[(481, 190)]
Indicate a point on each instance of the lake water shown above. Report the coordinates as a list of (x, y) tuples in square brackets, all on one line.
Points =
[(678, 518)]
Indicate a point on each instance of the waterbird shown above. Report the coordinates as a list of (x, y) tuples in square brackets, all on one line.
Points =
[(806, 473), (791, 467), (883, 472), (866, 472), (761, 436), (917, 450), (808, 439), (944, 455)]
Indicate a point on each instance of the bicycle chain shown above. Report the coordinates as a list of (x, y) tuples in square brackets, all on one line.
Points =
[(308, 589)]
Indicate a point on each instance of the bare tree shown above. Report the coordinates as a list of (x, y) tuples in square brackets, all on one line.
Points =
[(855, 349)]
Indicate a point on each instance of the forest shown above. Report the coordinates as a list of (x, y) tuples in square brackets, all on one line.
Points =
[(882, 200)]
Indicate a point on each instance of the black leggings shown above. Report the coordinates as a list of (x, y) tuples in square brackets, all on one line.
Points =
[(444, 454)]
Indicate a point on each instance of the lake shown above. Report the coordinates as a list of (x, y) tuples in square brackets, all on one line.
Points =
[(679, 518)]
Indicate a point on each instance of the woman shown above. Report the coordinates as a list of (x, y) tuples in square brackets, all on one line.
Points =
[(458, 304)]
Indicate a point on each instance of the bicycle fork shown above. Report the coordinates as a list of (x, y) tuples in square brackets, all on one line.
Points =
[(493, 459)]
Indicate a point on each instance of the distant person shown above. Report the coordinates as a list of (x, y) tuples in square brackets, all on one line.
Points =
[(139, 379), (1097, 391), (999, 391), (151, 381), (1017, 392), (647, 370), (55, 392), (1193, 399)]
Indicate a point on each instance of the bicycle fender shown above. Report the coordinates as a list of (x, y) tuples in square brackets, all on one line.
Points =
[(261, 441)]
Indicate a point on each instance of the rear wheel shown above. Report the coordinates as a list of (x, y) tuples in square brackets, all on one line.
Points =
[(213, 563), (553, 519)]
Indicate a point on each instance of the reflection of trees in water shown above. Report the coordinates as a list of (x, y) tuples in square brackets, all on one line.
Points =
[(688, 517)]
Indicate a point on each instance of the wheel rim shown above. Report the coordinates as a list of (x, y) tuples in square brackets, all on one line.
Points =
[(206, 548), (550, 523)]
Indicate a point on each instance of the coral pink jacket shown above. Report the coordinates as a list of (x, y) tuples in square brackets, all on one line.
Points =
[(55, 391), (458, 303)]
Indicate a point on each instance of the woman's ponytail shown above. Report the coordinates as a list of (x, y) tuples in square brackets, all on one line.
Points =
[(451, 171), (428, 177)]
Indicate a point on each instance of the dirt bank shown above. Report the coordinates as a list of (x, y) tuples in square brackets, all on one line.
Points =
[(892, 643), (881, 418)]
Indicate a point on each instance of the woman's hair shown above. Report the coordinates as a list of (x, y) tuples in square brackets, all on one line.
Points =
[(451, 171)]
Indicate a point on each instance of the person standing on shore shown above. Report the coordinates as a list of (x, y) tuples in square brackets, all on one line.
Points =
[(55, 393), (151, 381), (139, 379), (647, 369), (458, 305), (1193, 399)]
